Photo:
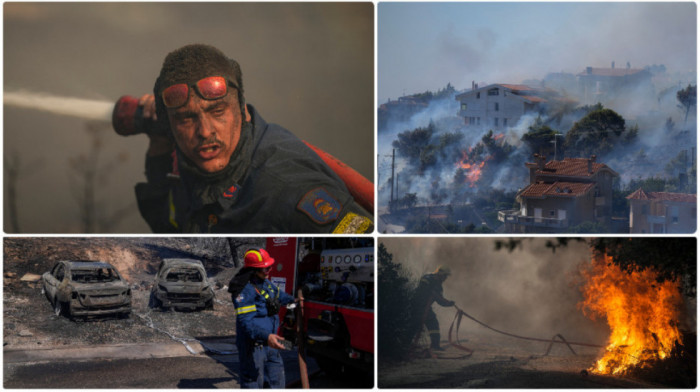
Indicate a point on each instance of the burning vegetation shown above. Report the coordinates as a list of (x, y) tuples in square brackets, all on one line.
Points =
[(641, 311), (451, 165)]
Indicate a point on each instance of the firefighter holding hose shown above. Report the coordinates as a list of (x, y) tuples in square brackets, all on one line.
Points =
[(214, 165), (429, 290), (257, 303)]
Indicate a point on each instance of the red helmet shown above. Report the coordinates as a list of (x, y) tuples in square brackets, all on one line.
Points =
[(257, 258)]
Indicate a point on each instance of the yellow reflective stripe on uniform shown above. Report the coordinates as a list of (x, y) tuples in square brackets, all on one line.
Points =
[(353, 224), (433, 332), (172, 209), (246, 309)]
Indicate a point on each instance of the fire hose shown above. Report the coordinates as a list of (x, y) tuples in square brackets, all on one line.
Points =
[(558, 338), (301, 339)]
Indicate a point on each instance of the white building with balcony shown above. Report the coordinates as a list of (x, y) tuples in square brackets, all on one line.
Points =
[(499, 106)]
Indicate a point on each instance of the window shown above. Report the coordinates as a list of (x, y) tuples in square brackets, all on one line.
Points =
[(464, 106), (478, 95), (493, 91), (552, 213), (495, 122), (645, 209), (675, 212), (478, 121), (505, 122), (495, 106)]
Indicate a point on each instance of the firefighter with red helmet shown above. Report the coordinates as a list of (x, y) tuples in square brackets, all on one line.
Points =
[(429, 290), (257, 303)]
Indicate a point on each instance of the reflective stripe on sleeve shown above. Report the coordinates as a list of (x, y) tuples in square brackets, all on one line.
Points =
[(246, 309)]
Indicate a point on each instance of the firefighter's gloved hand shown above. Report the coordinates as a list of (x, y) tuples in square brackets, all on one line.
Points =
[(292, 306), (148, 103), (451, 303), (275, 341)]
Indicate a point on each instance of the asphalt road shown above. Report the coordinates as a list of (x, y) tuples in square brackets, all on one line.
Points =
[(213, 365)]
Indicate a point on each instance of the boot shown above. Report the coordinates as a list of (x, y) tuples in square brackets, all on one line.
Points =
[(435, 342)]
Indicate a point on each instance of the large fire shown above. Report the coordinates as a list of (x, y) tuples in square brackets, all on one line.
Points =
[(641, 312)]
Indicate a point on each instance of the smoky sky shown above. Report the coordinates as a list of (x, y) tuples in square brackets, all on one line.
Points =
[(306, 66), (530, 291), (423, 46)]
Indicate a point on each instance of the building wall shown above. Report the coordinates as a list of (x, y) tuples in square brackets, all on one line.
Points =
[(645, 214), (510, 108)]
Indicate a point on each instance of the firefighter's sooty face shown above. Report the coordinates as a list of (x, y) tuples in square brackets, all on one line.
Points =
[(207, 132)]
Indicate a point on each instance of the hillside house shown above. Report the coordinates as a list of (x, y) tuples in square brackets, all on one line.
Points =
[(499, 106), (662, 212), (562, 194), (605, 85)]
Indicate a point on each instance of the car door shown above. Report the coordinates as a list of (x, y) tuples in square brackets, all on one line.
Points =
[(53, 279)]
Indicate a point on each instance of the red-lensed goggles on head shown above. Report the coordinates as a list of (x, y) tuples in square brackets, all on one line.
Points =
[(212, 87)]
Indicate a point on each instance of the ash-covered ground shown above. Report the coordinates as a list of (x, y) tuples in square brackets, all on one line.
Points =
[(29, 320), (502, 362)]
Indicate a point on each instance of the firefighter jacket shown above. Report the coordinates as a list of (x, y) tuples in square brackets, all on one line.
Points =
[(253, 321), (274, 183), (429, 290)]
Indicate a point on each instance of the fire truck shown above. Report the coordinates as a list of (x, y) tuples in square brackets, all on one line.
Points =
[(336, 277)]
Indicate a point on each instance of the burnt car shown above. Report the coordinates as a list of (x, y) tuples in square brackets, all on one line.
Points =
[(182, 284), (86, 288)]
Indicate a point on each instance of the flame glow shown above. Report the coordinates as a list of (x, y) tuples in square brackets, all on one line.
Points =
[(641, 312), (472, 168)]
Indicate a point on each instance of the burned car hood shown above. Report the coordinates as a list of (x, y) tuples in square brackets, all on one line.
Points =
[(111, 287), (184, 287)]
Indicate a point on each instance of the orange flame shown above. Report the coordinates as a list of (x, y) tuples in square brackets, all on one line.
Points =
[(642, 314), (472, 169)]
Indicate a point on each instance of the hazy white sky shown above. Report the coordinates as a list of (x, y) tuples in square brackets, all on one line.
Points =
[(423, 46)]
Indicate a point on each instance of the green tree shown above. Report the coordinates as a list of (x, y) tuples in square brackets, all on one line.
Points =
[(597, 133), (395, 288), (539, 138), (687, 99), (410, 143)]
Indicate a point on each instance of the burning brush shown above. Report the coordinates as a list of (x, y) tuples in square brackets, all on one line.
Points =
[(642, 314)]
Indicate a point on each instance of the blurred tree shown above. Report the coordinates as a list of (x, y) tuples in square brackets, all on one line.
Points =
[(88, 175), (687, 99), (395, 288)]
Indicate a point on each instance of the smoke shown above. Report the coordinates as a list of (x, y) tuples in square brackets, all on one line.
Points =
[(88, 109), (530, 291)]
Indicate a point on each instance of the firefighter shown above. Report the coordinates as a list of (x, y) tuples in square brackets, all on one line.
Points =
[(429, 290), (257, 303), (232, 172)]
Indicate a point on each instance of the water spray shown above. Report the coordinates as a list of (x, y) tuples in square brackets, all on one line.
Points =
[(89, 109)]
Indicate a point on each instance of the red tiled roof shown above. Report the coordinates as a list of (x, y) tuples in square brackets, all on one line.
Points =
[(611, 72), (639, 194), (519, 87), (573, 167), (533, 98), (559, 188)]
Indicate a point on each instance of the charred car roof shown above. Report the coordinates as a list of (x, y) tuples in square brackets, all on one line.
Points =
[(87, 264)]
